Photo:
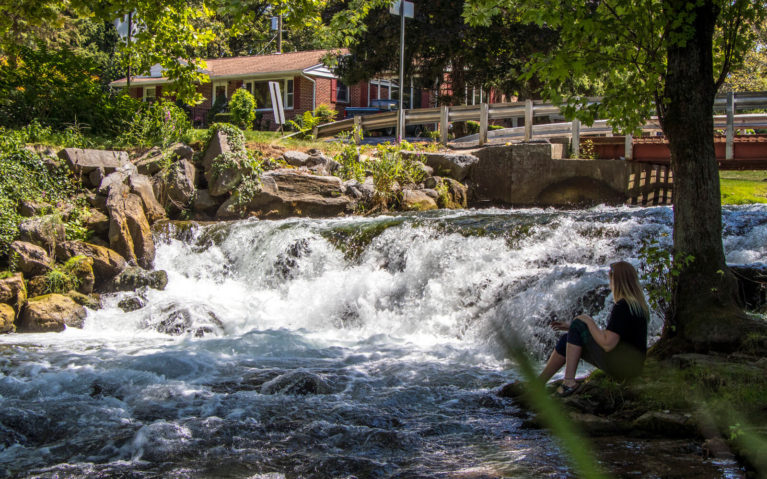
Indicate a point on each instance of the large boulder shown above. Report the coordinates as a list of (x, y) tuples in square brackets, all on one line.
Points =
[(81, 268), (107, 263), (225, 173), (417, 200), (456, 166), (128, 180), (38, 286), (12, 290), (296, 158), (299, 382), (129, 231), (84, 162), (142, 186), (286, 193), (50, 313), (7, 317), (97, 222), (204, 204), (30, 259), (31, 208), (453, 193), (175, 187), (177, 320), (218, 145), (92, 301), (133, 278), (315, 161), (45, 231), (156, 159)]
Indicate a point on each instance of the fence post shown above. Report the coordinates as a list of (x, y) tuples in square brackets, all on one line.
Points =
[(576, 133), (628, 152), (729, 148), (357, 129), (315, 132), (443, 124), (528, 120), (484, 111)]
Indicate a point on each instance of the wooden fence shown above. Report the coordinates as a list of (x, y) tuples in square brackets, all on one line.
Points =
[(529, 110)]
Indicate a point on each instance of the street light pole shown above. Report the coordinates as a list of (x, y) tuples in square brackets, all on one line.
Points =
[(401, 111)]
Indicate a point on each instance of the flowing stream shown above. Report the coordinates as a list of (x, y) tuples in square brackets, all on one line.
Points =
[(337, 348)]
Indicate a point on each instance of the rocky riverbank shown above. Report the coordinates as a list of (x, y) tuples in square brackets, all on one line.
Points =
[(51, 279), (711, 405)]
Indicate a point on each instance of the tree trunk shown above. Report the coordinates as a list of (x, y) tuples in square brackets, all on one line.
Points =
[(458, 86), (705, 314)]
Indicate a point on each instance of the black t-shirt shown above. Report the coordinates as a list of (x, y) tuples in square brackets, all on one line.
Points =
[(630, 327)]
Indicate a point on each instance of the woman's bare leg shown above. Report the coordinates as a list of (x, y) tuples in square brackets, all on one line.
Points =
[(572, 358), (554, 364)]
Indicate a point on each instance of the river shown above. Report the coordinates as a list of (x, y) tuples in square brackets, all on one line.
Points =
[(334, 348)]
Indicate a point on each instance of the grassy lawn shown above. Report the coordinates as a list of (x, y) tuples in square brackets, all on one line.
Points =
[(743, 187)]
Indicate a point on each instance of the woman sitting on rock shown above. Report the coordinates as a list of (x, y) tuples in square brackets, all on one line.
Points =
[(619, 349)]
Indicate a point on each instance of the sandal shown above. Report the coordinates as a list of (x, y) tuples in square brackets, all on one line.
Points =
[(564, 390)]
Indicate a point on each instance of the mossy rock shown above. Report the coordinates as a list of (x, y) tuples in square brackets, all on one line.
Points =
[(90, 301), (7, 318), (50, 313)]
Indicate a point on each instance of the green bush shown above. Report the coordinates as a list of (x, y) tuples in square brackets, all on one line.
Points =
[(223, 117), (390, 167), (472, 127), (325, 113), (161, 123), (242, 106), (59, 87), (24, 176)]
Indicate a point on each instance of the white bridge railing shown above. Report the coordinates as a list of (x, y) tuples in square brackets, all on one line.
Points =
[(728, 103)]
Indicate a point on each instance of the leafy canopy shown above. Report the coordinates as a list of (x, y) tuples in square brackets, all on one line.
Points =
[(622, 44)]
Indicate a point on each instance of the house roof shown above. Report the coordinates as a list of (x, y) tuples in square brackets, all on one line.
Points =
[(256, 65)]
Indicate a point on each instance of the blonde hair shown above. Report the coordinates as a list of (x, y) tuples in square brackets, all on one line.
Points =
[(626, 286)]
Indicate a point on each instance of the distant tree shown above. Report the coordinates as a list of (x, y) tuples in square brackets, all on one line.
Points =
[(669, 57), (751, 75), (440, 49)]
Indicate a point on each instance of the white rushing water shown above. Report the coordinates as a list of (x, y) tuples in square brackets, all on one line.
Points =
[(357, 347)]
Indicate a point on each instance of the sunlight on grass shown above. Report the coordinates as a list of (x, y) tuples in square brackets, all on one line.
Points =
[(743, 187)]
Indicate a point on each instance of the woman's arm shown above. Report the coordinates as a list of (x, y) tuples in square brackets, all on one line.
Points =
[(607, 340)]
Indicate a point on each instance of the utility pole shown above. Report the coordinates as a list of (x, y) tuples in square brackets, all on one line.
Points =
[(279, 34), (404, 9), (130, 55)]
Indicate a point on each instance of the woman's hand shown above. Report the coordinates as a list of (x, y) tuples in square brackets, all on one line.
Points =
[(561, 325)]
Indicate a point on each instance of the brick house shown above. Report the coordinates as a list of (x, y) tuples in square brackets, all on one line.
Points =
[(305, 82)]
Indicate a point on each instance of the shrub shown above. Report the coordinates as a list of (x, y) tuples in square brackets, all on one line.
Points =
[(325, 113), (223, 117), (472, 128), (391, 168), (157, 124), (305, 123), (24, 176), (242, 106)]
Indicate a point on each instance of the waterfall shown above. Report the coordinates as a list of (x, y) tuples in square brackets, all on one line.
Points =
[(325, 348)]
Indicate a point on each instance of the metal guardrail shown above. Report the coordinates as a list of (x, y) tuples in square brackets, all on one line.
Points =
[(528, 110)]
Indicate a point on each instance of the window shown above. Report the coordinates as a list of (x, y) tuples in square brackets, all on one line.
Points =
[(288, 103), (260, 91), (342, 93), (474, 96), (219, 92), (150, 94)]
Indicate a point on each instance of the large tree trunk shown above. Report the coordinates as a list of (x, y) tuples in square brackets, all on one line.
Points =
[(705, 313)]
